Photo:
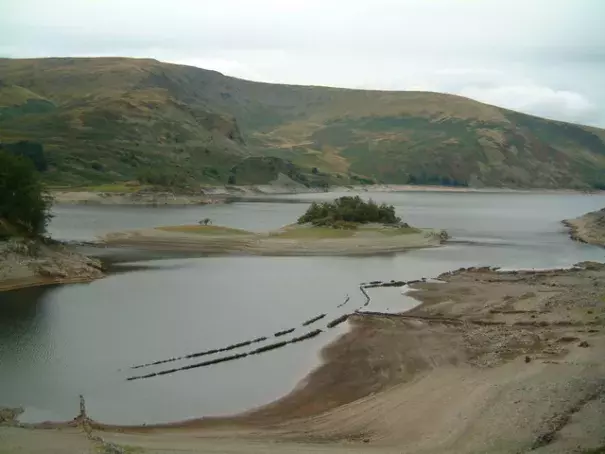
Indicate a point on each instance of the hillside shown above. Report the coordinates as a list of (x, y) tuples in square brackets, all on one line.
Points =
[(115, 119)]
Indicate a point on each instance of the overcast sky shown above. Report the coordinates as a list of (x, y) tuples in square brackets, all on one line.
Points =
[(545, 57)]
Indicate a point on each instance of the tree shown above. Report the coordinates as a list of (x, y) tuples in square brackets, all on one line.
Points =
[(347, 210), (24, 203), (31, 150)]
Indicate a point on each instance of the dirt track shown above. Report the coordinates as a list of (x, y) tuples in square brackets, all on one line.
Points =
[(490, 363)]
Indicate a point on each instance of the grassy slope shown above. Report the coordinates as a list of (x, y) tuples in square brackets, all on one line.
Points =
[(129, 114)]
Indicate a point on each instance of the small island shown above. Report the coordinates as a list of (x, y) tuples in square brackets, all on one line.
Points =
[(346, 226)]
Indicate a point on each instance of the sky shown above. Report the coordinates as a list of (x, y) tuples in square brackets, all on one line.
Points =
[(543, 57)]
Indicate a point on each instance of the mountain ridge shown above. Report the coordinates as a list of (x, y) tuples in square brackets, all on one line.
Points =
[(113, 118)]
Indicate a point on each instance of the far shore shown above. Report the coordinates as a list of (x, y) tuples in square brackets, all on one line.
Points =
[(224, 194)]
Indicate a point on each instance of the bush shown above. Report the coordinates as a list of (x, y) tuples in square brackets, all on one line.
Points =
[(24, 203), (96, 165), (346, 210), (160, 177)]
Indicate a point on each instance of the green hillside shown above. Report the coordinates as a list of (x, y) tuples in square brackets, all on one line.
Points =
[(115, 119)]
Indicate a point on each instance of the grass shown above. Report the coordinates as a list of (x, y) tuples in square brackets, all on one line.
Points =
[(204, 230), (393, 231), (313, 233), (118, 117), (109, 187)]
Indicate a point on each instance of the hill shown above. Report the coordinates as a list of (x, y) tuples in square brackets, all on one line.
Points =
[(116, 119)]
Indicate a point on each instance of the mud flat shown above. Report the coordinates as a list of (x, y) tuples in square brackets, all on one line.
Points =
[(589, 228), (489, 362), (294, 241)]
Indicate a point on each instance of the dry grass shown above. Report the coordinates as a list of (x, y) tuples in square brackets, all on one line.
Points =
[(14, 95), (313, 233), (394, 231), (204, 230), (109, 187), (139, 112)]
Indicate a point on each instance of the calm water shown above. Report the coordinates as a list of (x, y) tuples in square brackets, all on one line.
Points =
[(56, 343)]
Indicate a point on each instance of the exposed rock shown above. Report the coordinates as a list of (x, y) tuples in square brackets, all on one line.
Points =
[(25, 263), (9, 415), (589, 228)]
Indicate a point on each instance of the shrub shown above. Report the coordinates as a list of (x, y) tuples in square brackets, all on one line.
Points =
[(24, 203), (159, 177), (346, 210), (95, 165)]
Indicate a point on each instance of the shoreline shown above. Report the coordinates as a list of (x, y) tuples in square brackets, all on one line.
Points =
[(33, 263), (18, 284), (449, 373), (288, 241), (588, 228), (227, 194)]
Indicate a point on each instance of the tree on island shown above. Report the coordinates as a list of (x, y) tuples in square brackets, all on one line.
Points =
[(24, 203), (345, 212)]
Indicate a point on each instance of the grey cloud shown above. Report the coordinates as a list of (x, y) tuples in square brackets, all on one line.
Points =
[(545, 57)]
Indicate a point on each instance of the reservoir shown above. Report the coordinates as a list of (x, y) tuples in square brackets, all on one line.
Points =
[(62, 341)]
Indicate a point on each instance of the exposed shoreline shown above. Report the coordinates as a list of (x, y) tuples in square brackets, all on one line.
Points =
[(272, 243), (225, 194), (588, 228), (488, 362), (32, 263)]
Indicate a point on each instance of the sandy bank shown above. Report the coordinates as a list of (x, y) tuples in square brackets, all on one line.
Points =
[(589, 228), (490, 362), (209, 240), (27, 263)]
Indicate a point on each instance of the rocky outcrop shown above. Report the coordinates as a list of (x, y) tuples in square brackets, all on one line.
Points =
[(8, 416), (27, 263), (589, 228)]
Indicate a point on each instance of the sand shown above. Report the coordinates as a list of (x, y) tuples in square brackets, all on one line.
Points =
[(361, 242)]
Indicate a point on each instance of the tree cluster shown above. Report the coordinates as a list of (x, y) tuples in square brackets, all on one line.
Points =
[(346, 210), (24, 203), (32, 150)]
